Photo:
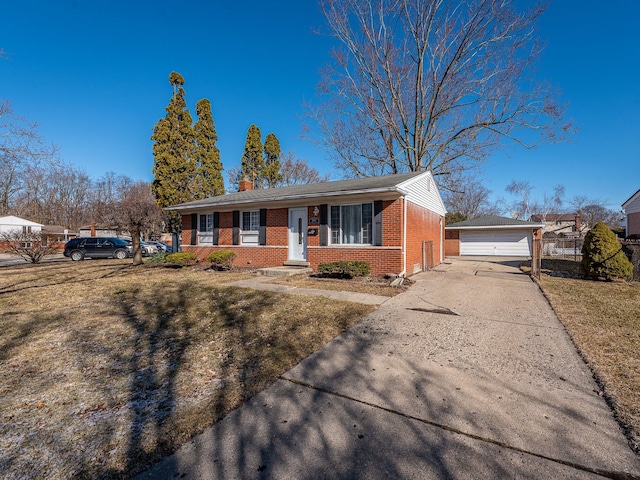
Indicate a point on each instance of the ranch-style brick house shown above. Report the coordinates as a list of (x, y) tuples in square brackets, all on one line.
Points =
[(393, 222)]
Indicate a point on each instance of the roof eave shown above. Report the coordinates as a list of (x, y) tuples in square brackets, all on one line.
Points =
[(631, 199), (290, 198)]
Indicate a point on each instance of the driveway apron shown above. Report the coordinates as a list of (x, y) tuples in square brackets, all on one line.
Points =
[(468, 374)]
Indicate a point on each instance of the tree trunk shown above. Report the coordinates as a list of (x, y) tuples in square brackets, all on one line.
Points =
[(137, 250)]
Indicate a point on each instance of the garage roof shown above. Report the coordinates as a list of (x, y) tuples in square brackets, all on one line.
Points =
[(491, 222)]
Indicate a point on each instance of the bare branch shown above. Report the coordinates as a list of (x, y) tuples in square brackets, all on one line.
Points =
[(421, 84)]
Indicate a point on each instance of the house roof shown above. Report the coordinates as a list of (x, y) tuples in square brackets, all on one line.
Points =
[(17, 221), (56, 230), (631, 199), (493, 221), (382, 184), (554, 217)]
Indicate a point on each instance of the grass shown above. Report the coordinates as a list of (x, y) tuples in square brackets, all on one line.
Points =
[(603, 320), (131, 362)]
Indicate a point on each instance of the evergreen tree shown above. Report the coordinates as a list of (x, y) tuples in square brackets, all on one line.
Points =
[(252, 161), (602, 255), (209, 180), (271, 172), (173, 150)]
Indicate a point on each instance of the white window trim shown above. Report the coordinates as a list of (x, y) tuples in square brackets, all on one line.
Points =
[(250, 237), (205, 236)]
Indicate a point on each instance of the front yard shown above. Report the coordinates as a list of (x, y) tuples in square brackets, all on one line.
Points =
[(106, 367), (603, 320)]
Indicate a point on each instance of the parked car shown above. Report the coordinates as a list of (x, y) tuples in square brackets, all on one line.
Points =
[(96, 247), (147, 249), (162, 247)]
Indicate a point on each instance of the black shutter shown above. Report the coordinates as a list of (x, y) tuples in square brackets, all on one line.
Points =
[(262, 234), (216, 228), (236, 227), (194, 229), (377, 222), (324, 225)]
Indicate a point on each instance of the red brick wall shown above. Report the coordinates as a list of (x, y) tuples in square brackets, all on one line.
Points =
[(392, 221), (186, 230), (246, 256), (381, 259), (633, 223), (452, 243), (422, 224)]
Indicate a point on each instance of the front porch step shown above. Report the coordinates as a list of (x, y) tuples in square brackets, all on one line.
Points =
[(287, 271), (296, 263)]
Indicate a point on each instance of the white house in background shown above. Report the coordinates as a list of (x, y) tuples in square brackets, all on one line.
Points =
[(632, 214), (11, 222)]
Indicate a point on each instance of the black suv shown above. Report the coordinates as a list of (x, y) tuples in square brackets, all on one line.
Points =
[(96, 247)]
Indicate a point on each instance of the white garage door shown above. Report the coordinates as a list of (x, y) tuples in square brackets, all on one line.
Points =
[(506, 243)]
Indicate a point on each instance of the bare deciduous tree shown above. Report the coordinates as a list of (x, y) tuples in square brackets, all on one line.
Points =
[(21, 146), (523, 206), (431, 84), (26, 244), (594, 210), (471, 199), (139, 213), (295, 171)]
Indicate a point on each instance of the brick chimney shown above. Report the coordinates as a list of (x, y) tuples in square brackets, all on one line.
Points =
[(578, 226), (93, 229), (245, 184)]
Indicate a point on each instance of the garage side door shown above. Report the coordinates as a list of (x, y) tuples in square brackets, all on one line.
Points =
[(504, 243)]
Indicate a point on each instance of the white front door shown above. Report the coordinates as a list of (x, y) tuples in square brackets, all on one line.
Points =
[(298, 234)]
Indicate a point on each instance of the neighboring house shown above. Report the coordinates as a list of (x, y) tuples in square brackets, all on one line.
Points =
[(492, 235), (561, 224), (632, 214), (56, 235), (11, 222), (393, 222), (94, 230)]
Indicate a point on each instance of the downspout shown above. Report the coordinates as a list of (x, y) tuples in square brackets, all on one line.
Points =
[(404, 238), (441, 240)]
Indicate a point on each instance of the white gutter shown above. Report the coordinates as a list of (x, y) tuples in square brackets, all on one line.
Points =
[(285, 198), (441, 239)]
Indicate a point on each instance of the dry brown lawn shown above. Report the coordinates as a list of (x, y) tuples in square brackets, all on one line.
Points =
[(603, 319), (107, 367), (369, 285)]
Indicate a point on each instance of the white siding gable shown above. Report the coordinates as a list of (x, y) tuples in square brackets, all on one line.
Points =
[(423, 191), (633, 205)]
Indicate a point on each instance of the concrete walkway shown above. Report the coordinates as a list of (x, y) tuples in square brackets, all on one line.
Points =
[(468, 374), (262, 283)]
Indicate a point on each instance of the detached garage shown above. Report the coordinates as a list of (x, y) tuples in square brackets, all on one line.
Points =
[(492, 236)]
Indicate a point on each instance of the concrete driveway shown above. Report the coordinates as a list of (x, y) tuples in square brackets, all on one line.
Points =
[(468, 374)]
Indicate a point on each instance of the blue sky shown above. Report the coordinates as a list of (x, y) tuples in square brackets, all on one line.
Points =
[(93, 74)]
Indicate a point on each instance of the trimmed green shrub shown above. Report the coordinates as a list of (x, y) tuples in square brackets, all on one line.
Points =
[(602, 255), (345, 268), (181, 258), (221, 259)]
